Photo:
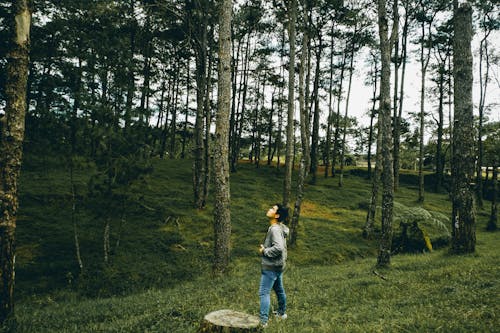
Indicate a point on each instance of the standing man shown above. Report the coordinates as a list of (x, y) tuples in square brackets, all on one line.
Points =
[(274, 254)]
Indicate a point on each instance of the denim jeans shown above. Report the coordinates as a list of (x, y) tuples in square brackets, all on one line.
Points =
[(268, 280)]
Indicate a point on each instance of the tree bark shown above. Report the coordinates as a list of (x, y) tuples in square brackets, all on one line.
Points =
[(344, 132), (384, 256), (315, 131), (11, 145), (330, 110), (199, 161), (287, 188), (483, 84), (337, 120), (184, 136), (222, 214), (397, 125), (424, 62), (304, 160), (463, 210)]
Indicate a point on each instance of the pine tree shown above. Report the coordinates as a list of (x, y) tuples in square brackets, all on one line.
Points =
[(11, 145)]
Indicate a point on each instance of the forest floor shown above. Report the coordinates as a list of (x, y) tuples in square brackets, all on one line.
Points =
[(158, 276)]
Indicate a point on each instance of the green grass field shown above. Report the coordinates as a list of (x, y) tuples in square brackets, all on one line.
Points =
[(158, 279)]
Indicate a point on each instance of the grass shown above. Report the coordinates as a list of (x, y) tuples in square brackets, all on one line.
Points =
[(159, 278)]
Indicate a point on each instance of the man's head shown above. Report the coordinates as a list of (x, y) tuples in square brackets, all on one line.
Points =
[(278, 212)]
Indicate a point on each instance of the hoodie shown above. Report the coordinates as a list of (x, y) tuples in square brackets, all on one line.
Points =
[(275, 253)]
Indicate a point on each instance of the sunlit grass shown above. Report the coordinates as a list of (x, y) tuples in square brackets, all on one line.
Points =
[(159, 279)]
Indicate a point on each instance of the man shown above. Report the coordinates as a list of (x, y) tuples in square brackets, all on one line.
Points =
[(274, 254)]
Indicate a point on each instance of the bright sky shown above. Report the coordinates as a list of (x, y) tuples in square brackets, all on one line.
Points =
[(360, 100)]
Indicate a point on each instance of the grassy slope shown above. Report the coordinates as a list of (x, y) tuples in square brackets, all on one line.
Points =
[(330, 283)]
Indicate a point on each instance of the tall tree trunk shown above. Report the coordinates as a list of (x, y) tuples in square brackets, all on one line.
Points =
[(330, 109), (184, 136), (304, 138), (372, 117), (208, 123), (11, 148), (463, 210), (397, 125), (199, 154), (234, 78), (337, 120), (173, 121), (439, 147), (483, 84), (222, 214), (344, 132), (270, 129), (254, 119), (424, 62), (384, 256), (240, 117), (397, 63), (130, 70), (287, 186), (372, 209), (315, 132)]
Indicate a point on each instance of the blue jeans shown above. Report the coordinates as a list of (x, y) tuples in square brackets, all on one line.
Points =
[(268, 280)]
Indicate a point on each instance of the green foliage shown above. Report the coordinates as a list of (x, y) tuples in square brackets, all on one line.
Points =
[(435, 223)]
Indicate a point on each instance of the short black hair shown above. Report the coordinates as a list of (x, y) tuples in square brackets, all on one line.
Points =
[(282, 212)]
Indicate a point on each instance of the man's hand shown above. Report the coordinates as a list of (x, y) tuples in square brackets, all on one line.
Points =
[(261, 249)]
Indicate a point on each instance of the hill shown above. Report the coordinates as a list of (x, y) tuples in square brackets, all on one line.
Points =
[(158, 277)]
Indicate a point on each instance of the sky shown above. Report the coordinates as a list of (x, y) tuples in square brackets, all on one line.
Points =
[(360, 101)]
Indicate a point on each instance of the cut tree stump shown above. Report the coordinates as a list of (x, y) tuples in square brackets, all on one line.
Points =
[(229, 321)]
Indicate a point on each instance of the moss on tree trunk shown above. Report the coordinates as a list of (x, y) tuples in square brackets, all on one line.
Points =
[(463, 212), (11, 142)]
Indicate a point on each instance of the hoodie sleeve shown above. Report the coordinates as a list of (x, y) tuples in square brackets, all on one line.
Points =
[(277, 243)]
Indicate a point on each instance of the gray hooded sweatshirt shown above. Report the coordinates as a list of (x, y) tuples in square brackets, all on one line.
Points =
[(275, 253)]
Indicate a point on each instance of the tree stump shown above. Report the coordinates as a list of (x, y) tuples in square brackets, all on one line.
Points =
[(229, 321)]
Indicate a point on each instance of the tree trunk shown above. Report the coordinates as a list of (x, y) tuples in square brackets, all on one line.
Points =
[(337, 120), (291, 103), (304, 160), (463, 215), (397, 125), (372, 117), (384, 256), (184, 136), (199, 154), (439, 147), (208, 123), (130, 70), (396, 119), (330, 109), (493, 221), (234, 78), (372, 209), (315, 132), (229, 321), (483, 85), (11, 144), (344, 133), (270, 130), (424, 62), (222, 214), (238, 128), (173, 121)]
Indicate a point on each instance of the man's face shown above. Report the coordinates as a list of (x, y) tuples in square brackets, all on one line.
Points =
[(272, 212)]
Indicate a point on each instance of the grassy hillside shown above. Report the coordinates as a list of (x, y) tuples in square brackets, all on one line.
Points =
[(158, 278)]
